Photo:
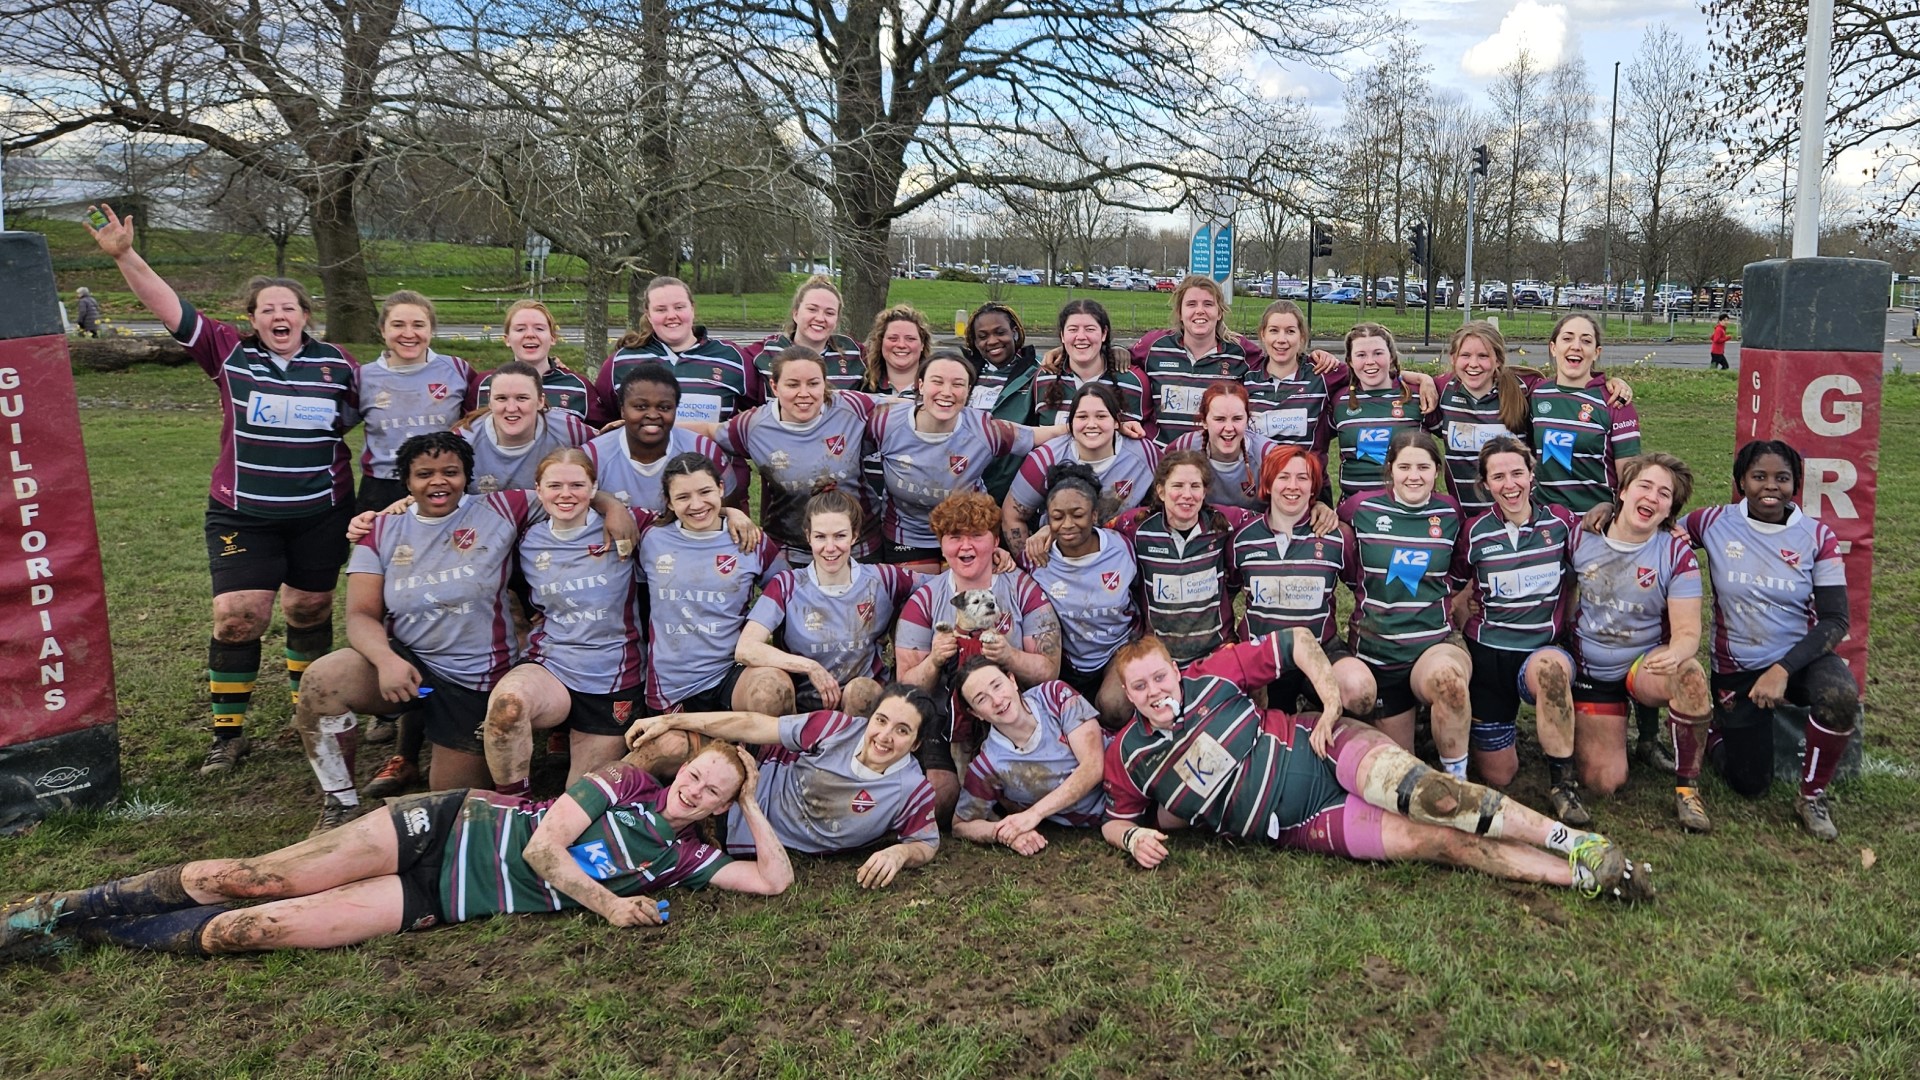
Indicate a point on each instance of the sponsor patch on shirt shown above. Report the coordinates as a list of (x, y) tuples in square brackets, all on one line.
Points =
[(984, 397), (1205, 765), (1289, 593), (1180, 399), (290, 413), (1371, 444), (703, 407), (1185, 588), (1282, 423), (1469, 438), (1525, 581), (594, 859)]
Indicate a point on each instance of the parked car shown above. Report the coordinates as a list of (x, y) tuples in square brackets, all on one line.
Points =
[(1164, 284), (1345, 294)]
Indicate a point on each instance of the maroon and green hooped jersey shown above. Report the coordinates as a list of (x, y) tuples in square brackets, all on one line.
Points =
[(1520, 576), (1176, 379), (563, 390), (1466, 424), (1580, 438), (1400, 569), (1222, 765), (1288, 580), (841, 359), (1186, 581), (1364, 422), (1296, 411), (1053, 393), (629, 847), (283, 426)]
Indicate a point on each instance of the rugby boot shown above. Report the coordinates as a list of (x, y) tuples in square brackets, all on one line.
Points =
[(1567, 807), (1816, 816), (32, 918), (396, 776), (1597, 865), (224, 754), (1636, 884), (1652, 753), (333, 814), (1691, 810), (380, 731)]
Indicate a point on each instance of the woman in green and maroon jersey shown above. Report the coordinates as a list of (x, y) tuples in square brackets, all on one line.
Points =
[(612, 841)]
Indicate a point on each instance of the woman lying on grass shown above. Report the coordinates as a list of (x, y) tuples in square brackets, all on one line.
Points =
[(1199, 752), (614, 839)]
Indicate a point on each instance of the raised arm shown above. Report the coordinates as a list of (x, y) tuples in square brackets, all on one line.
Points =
[(116, 240), (759, 729), (770, 873)]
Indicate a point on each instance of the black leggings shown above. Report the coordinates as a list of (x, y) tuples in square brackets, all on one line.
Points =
[(1825, 686)]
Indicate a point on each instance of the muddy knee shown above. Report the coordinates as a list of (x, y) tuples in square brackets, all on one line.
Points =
[(859, 697), (246, 881), (238, 931), (764, 690), (506, 715), (1450, 687), (238, 627)]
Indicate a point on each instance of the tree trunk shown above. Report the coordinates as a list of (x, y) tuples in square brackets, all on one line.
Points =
[(343, 265), (636, 295), (865, 275), (593, 318), (280, 241)]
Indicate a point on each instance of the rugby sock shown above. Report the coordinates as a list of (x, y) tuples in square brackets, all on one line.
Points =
[(1455, 766), (1647, 719), (1562, 838), (174, 931), (305, 644), (1689, 745), (152, 893), (411, 735), (232, 668), (1824, 747), (333, 750), (1558, 770), (519, 789)]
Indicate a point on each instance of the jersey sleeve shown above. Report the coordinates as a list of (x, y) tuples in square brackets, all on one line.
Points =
[(1070, 706), (1031, 480), (773, 559), (1125, 800), (601, 407), (208, 341), (1009, 438), (616, 784), (1685, 584), (804, 732), (365, 557), (1828, 566), (915, 823), (469, 384), (516, 506), (1695, 522), (1625, 437), (695, 862), (770, 608), (576, 430), (915, 627), (731, 437), (1248, 665), (979, 790), (729, 476)]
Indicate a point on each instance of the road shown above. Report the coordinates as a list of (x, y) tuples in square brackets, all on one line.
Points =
[(1901, 345)]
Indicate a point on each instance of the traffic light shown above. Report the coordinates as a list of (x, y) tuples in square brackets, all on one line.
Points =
[(1417, 249), (1481, 159), (1322, 241)]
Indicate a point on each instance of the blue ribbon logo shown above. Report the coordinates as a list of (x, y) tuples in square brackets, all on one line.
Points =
[(1408, 566), (1558, 448)]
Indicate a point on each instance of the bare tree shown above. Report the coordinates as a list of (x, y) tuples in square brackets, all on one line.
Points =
[(1568, 146), (1442, 158), (251, 202), (1662, 145), (290, 94), (1518, 100)]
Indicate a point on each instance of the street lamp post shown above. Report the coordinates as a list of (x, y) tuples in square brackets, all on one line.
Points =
[(1606, 234)]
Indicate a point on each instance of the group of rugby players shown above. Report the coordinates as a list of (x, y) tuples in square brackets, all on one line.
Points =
[(986, 590)]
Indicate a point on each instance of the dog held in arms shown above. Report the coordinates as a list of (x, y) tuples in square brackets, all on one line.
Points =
[(976, 621)]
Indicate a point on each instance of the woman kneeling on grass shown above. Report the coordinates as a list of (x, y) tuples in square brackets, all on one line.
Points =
[(1199, 752), (834, 782), (1040, 760), (614, 839)]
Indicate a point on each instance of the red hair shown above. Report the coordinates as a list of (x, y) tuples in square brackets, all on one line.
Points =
[(1221, 389), (1282, 456)]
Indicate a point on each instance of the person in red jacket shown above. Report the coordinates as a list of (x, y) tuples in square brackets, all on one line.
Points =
[(1717, 350)]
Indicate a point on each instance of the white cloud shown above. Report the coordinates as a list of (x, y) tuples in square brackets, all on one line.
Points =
[(1540, 29)]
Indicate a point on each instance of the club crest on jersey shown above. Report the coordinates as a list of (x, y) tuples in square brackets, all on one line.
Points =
[(437, 391), (779, 459), (1545, 408), (814, 620), (836, 445), (1123, 489), (1586, 413), (663, 565), (718, 375), (1736, 550), (862, 802), (1319, 550), (1384, 522), (596, 550), (1791, 558), (956, 463), (464, 538), (1399, 411), (383, 400), (1433, 527), (403, 555), (543, 561), (623, 711), (1647, 576), (726, 564), (326, 373), (1111, 580), (865, 610)]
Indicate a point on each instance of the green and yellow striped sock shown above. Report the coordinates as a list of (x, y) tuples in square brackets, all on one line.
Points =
[(305, 644), (232, 668)]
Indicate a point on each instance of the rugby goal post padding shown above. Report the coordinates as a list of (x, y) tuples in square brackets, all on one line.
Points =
[(59, 736), (1812, 361)]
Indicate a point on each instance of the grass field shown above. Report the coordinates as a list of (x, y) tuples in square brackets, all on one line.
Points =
[(210, 268), (1767, 955)]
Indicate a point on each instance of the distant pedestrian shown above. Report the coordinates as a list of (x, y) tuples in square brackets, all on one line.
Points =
[(87, 312), (1717, 351)]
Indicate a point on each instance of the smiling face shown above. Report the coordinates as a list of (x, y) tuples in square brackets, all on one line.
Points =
[(1509, 480), (1152, 685), (800, 389), (1412, 475), (647, 411), (1293, 489), (1475, 364), (1280, 336), (1093, 426), (992, 696), (1199, 316), (1226, 425), (279, 320), (1372, 362), (1647, 501), (704, 787), (1575, 349), (830, 538), (694, 499), (1183, 493), (670, 314), (1070, 516), (816, 315), (969, 555), (1768, 487), (993, 337), (892, 732), (1084, 341), (435, 481), (566, 493), (944, 388), (515, 403), (901, 345), (531, 337), (406, 332)]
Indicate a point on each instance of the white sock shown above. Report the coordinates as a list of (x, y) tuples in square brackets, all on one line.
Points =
[(1560, 838), (1455, 766), (330, 765)]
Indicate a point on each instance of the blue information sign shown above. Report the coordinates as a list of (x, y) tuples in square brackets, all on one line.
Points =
[(1222, 253), (1201, 259)]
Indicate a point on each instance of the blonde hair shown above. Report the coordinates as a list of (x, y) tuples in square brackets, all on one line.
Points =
[(1202, 281), (409, 298), (566, 455), (876, 363), (518, 306), (812, 284)]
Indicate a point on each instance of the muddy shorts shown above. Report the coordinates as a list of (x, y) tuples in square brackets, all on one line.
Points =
[(423, 826)]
